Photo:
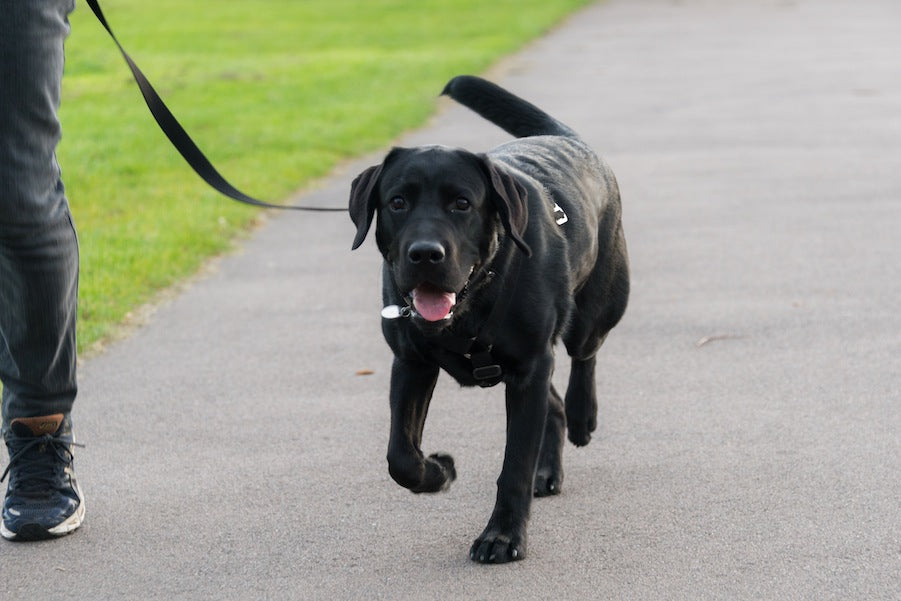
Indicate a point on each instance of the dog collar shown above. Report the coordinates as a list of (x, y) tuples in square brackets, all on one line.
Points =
[(482, 276), (407, 311)]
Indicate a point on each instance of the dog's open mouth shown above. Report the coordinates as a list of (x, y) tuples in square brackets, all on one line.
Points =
[(433, 303)]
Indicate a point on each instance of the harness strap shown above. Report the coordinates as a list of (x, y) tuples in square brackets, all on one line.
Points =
[(485, 368)]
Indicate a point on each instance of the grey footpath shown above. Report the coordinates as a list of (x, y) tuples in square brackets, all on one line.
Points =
[(750, 400)]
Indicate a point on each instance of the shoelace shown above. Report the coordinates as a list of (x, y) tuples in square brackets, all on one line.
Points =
[(44, 470)]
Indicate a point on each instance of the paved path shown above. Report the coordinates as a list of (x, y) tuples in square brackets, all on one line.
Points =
[(751, 411)]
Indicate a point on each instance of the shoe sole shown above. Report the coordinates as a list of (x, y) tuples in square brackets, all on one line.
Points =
[(31, 532)]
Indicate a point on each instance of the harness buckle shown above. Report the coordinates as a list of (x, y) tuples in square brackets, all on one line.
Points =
[(486, 372), (488, 375)]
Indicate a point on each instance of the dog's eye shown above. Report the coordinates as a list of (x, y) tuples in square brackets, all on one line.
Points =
[(397, 204), (462, 204)]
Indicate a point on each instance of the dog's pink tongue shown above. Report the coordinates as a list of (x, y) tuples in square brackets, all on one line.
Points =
[(431, 303)]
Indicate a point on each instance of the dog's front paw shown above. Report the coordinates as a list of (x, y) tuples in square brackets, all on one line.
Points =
[(446, 465), (439, 473), (496, 546)]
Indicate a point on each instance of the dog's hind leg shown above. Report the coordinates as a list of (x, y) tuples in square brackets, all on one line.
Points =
[(581, 401), (599, 306), (549, 475)]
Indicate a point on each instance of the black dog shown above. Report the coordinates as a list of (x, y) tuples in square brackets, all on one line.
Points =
[(489, 259)]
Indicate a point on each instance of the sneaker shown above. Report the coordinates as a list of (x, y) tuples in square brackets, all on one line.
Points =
[(43, 499)]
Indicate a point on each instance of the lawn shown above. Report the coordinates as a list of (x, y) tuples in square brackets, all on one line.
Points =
[(276, 92)]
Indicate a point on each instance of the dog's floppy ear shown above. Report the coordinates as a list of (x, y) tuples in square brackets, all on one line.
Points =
[(510, 200), (363, 201)]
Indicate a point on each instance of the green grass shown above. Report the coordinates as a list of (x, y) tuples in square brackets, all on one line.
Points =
[(276, 92)]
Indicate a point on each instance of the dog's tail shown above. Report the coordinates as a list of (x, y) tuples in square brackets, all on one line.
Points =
[(510, 112)]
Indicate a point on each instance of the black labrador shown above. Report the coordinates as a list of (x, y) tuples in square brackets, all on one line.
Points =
[(488, 260)]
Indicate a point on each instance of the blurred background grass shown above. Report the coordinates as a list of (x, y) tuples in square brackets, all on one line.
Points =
[(276, 92)]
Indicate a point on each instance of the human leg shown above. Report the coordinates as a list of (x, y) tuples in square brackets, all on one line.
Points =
[(38, 272)]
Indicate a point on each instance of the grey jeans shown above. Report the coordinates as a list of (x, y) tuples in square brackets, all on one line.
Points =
[(38, 246)]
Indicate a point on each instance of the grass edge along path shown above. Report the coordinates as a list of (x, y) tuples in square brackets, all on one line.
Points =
[(277, 93)]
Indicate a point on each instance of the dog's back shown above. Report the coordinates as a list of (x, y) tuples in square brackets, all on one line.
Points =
[(576, 187)]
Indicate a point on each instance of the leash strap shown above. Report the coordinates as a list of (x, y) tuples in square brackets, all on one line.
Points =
[(180, 138)]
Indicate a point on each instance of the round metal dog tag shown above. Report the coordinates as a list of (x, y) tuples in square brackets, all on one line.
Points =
[(393, 312)]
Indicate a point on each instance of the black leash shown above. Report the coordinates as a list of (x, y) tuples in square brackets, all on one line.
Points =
[(180, 138)]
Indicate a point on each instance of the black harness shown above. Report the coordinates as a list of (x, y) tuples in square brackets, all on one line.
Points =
[(476, 349), (486, 371)]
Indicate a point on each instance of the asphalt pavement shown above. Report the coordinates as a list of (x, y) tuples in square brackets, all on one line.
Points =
[(750, 419)]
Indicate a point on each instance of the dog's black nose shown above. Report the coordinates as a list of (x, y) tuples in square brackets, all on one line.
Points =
[(426, 250)]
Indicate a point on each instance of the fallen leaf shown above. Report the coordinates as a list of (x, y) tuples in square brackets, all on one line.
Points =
[(707, 339)]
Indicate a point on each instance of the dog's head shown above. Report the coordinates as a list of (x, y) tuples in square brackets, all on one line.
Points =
[(439, 211)]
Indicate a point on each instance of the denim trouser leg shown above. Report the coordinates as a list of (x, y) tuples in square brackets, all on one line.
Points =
[(38, 246)]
